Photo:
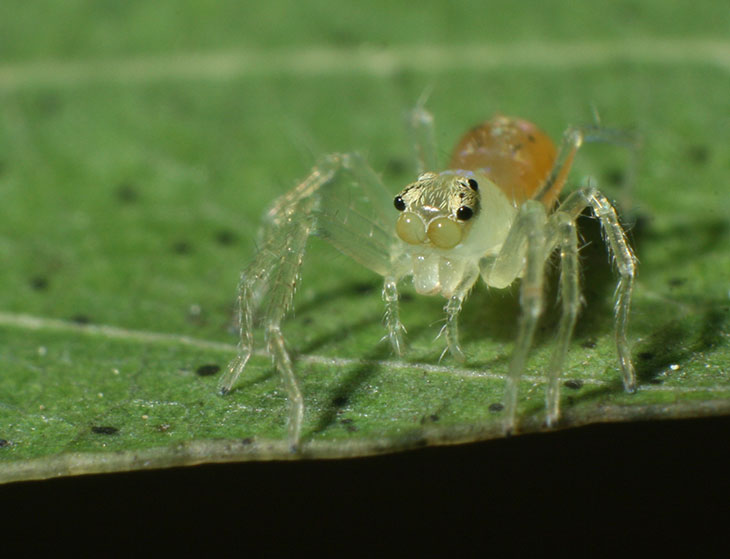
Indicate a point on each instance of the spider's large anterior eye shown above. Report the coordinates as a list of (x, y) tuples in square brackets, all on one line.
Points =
[(399, 204), (444, 233), (473, 184), (411, 228), (464, 213)]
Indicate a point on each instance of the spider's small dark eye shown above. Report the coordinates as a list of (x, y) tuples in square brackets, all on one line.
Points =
[(473, 184), (464, 213), (399, 204)]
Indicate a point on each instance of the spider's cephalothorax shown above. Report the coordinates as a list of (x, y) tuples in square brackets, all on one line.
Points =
[(494, 215)]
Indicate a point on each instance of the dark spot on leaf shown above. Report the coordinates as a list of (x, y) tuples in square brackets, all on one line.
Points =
[(496, 407), (126, 193), (349, 424), (207, 370), (698, 154), (38, 283), (342, 37), (4, 443), (395, 166), (589, 344), (182, 247), (614, 176), (677, 282), (433, 418), (340, 401), (247, 441), (646, 356), (573, 384), (104, 430), (405, 297), (48, 104), (81, 319), (225, 237)]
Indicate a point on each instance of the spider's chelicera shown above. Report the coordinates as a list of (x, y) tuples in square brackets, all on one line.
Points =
[(493, 214)]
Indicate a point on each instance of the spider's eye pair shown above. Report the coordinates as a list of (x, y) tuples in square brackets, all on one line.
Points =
[(399, 204)]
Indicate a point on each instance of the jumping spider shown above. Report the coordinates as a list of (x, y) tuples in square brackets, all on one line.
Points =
[(493, 214)]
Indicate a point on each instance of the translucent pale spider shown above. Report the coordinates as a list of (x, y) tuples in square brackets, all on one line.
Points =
[(493, 214)]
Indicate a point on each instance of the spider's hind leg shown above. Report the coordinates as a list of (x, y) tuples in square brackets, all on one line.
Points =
[(573, 139)]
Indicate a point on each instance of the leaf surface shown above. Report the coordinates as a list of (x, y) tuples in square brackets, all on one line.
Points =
[(137, 159)]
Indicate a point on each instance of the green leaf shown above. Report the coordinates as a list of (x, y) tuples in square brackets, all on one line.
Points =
[(137, 156)]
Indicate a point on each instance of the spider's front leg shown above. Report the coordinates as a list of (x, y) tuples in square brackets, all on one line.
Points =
[(267, 286), (565, 237), (524, 251), (342, 201), (623, 256)]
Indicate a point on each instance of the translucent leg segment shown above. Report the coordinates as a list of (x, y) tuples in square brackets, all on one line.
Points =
[(567, 238), (319, 204), (452, 310), (451, 328), (623, 256), (392, 316), (420, 126), (528, 230), (280, 356), (573, 139)]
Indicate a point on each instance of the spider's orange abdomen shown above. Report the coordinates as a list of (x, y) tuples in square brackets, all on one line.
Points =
[(514, 153)]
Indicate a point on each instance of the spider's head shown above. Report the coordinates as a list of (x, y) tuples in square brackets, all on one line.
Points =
[(437, 209)]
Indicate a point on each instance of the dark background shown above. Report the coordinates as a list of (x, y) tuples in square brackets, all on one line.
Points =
[(591, 491)]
